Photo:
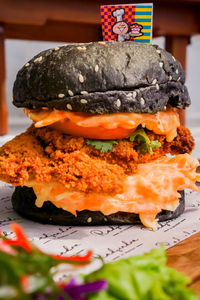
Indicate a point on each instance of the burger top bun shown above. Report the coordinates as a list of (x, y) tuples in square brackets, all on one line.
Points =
[(102, 77)]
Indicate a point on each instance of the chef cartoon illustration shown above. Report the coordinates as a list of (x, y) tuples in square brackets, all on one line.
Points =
[(122, 28)]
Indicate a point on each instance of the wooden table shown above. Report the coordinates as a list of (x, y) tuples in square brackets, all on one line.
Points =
[(79, 21), (185, 257)]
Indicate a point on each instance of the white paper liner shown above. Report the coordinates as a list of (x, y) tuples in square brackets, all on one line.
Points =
[(109, 242)]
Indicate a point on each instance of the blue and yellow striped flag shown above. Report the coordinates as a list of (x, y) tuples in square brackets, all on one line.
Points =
[(131, 22)]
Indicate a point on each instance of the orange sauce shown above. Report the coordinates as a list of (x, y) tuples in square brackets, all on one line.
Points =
[(153, 188), (108, 126)]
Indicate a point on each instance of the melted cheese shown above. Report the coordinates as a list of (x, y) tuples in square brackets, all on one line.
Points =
[(153, 188), (164, 123)]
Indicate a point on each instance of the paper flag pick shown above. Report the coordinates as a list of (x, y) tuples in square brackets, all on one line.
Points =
[(130, 22)]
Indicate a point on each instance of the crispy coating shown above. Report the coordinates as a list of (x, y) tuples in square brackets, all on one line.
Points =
[(23, 158), (183, 143), (45, 154)]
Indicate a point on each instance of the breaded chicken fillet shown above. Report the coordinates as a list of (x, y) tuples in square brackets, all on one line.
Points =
[(46, 154)]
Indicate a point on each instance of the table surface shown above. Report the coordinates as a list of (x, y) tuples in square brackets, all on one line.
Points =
[(185, 257)]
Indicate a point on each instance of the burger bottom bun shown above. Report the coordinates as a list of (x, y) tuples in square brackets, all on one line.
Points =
[(23, 201)]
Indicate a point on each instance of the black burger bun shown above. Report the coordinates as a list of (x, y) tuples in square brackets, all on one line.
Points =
[(102, 78), (23, 200)]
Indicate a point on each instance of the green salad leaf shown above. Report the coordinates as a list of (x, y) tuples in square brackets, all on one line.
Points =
[(145, 144), (143, 277), (102, 146), (36, 265), (139, 136), (27, 273)]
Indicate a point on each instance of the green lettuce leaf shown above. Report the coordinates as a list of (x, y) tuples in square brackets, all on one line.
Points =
[(140, 136), (102, 146), (143, 277)]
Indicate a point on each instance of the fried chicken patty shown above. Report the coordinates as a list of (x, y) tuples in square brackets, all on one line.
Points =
[(45, 154)]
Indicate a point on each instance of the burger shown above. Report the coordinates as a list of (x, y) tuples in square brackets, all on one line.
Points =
[(106, 145)]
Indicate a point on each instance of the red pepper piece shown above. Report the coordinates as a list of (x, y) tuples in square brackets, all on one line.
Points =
[(4, 247), (76, 258), (21, 239), (24, 282)]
